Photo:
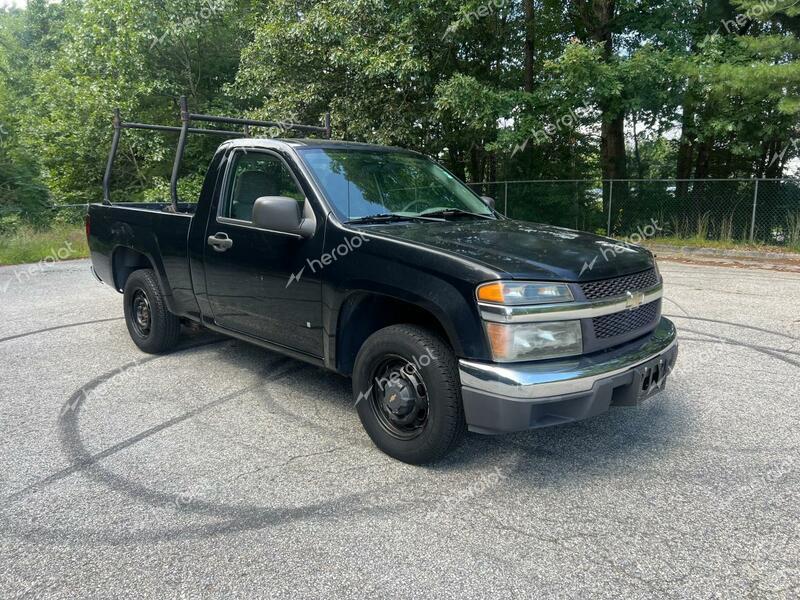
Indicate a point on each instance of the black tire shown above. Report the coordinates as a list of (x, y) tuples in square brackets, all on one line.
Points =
[(152, 327), (435, 429)]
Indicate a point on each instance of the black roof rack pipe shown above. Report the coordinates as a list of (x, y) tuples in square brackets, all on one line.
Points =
[(256, 123), (111, 155), (325, 129), (184, 130), (173, 184), (169, 128)]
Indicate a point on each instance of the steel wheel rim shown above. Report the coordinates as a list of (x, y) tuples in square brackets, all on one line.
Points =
[(399, 397), (141, 314)]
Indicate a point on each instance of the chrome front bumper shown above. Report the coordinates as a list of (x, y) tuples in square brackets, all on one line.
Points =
[(513, 397)]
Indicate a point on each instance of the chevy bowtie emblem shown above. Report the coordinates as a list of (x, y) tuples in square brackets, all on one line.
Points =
[(634, 300)]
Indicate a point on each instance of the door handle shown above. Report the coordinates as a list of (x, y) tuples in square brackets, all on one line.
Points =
[(220, 242)]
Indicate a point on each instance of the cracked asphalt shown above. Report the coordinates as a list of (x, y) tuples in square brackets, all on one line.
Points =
[(224, 470)]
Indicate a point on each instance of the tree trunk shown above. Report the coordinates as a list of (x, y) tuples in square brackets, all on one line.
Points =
[(683, 169), (593, 21), (457, 164), (703, 160), (636, 152), (475, 164), (612, 157), (612, 147), (530, 37)]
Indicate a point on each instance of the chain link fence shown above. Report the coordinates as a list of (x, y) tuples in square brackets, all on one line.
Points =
[(730, 210), (765, 211)]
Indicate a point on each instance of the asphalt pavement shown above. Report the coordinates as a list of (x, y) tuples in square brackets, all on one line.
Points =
[(225, 470)]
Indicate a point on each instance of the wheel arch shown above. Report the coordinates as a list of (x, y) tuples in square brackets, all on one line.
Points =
[(125, 260), (363, 313)]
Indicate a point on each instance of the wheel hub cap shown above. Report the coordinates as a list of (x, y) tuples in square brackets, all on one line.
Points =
[(399, 399)]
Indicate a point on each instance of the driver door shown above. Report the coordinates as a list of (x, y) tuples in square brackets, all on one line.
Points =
[(248, 269)]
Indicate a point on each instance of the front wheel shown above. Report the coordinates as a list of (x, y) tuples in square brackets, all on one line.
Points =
[(152, 327), (408, 394)]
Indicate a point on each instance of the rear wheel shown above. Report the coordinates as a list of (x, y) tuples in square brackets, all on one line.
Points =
[(152, 327), (408, 395)]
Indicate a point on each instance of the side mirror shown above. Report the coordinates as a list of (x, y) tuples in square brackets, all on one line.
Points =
[(488, 201), (281, 213)]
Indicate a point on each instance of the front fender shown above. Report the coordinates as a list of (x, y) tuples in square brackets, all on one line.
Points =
[(455, 313)]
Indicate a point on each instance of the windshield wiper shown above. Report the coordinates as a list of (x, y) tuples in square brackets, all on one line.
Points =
[(392, 218), (446, 212)]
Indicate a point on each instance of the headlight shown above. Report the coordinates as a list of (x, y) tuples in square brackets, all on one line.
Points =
[(534, 341), (655, 266), (524, 292)]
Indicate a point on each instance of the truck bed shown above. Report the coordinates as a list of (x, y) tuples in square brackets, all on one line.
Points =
[(122, 233)]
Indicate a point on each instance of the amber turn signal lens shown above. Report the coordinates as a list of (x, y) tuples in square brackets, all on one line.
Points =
[(517, 293), (500, 340), (491, 292)]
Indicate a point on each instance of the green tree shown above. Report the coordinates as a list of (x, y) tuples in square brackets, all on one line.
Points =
[(140, 58), (496, 89), (22, 193)]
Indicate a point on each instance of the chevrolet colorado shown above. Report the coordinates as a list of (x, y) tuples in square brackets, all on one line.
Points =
[(378, 264)]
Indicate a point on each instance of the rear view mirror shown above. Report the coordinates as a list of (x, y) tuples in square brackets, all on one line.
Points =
[(281, 213), (488, 201)]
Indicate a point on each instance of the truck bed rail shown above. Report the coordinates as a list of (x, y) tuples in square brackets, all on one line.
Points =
[(185, 129)]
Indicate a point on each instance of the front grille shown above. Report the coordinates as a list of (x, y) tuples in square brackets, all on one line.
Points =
[(613, 325), (608, 288)]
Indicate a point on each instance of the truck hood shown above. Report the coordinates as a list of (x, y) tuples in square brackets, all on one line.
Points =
[(526, 250)]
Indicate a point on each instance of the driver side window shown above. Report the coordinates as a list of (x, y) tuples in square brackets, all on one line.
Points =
[(257, 174)]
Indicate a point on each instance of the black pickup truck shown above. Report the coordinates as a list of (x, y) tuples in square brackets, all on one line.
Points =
[(378, 264)]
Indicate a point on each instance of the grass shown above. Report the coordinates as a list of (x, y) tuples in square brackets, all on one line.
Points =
[(27, 245), (66, 242), (728, 244)]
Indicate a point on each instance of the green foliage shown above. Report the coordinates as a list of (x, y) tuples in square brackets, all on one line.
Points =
[(717, 82), (96, 55), (21, 191)]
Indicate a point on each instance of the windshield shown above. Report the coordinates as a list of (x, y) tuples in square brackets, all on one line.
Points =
[(364, 183)]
